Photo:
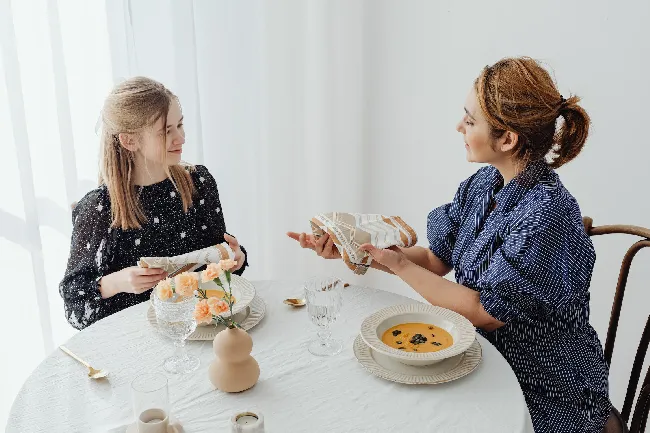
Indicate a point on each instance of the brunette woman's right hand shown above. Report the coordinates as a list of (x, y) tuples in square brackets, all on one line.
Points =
[(324, 246), (134, 280)]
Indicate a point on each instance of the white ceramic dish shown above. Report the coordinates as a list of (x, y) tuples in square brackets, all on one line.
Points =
[(242, 289), (389, 368), (247, 319), (461, 330)]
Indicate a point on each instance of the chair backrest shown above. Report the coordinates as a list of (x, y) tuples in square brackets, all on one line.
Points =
[(640, 416)]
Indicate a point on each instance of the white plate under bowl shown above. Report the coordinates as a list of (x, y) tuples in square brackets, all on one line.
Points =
[(391, 369), (461, 330), (242, 289), (247, 319)]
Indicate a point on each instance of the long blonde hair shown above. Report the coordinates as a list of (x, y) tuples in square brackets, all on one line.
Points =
[(132, 106)]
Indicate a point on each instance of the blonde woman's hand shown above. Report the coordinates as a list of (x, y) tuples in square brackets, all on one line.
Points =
[(240, 257), (133, 280), (324, 246)]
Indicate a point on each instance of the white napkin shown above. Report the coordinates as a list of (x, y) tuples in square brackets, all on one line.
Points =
[(350, 230), (189, 261)]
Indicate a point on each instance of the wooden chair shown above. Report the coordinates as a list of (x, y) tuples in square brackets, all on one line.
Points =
[(640, 416)]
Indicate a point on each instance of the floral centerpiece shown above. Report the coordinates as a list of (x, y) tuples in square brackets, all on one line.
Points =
[(181, 286), (208, 308), (211, 308), (233, 369)]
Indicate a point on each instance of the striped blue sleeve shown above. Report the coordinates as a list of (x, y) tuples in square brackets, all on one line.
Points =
[(539, 266), (444, 222)]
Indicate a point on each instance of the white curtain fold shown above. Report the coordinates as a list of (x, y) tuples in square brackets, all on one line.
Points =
[(15, 103)]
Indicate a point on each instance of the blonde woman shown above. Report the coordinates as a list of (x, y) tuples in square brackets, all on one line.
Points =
[(148, 204)]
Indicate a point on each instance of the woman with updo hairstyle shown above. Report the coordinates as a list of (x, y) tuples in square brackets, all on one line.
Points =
[(513, 235)]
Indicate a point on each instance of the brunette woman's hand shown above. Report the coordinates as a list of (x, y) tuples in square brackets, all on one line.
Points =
[(324, 246)]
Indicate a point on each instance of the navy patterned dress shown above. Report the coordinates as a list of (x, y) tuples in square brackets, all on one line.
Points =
[(523, 247), (97, 249)]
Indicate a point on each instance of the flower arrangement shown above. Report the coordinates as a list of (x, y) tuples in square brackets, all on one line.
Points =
[(184, 285), (208, 308)]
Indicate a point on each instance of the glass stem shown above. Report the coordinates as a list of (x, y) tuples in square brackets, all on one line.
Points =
[(180, 349), (325, 335)]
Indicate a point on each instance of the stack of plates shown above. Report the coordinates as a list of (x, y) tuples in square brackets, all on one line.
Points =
[(248, 310), (383, 361)]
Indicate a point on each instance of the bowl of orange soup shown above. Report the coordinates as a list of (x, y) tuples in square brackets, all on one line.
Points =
[(418, 334)]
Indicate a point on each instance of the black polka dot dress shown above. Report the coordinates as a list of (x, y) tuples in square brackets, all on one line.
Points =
[(523, 247), (97, 249)]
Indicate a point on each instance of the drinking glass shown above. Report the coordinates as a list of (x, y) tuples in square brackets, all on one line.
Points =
[(175, 318), (324, 301), (150, 395)]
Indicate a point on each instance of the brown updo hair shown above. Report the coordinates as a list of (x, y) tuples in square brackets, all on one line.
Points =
[(519, 95)]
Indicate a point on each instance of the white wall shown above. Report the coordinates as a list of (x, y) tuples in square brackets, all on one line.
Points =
[(421, 58)]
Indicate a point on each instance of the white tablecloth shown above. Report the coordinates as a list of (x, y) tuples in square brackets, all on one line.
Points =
[(296, 392)]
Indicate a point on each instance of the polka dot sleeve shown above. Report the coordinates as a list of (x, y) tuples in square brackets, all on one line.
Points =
[(79, 287), (213, 209)]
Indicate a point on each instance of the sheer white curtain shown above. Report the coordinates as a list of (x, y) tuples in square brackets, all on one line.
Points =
[(272, 94), (54, 71)]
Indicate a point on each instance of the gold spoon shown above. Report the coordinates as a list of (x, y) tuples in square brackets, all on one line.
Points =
[(295, 302), (92, 373)]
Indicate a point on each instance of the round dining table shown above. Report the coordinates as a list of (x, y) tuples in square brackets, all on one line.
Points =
[(296, 391)]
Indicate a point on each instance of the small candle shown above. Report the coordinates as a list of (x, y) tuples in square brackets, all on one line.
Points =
[(247, 419), (247, 422)]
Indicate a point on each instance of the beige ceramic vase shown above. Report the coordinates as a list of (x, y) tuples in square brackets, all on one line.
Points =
[(234, 369)]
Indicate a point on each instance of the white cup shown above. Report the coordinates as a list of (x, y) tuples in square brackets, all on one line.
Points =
[(153, 421), (150, 396)]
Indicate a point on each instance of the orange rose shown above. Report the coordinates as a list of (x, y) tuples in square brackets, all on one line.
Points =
[(186, 283), (164, 289), (202, 313), (212, 272), (217, 306), (227, 264)]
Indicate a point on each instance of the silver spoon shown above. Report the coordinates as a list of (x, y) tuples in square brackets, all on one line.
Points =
[(92, 372)]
